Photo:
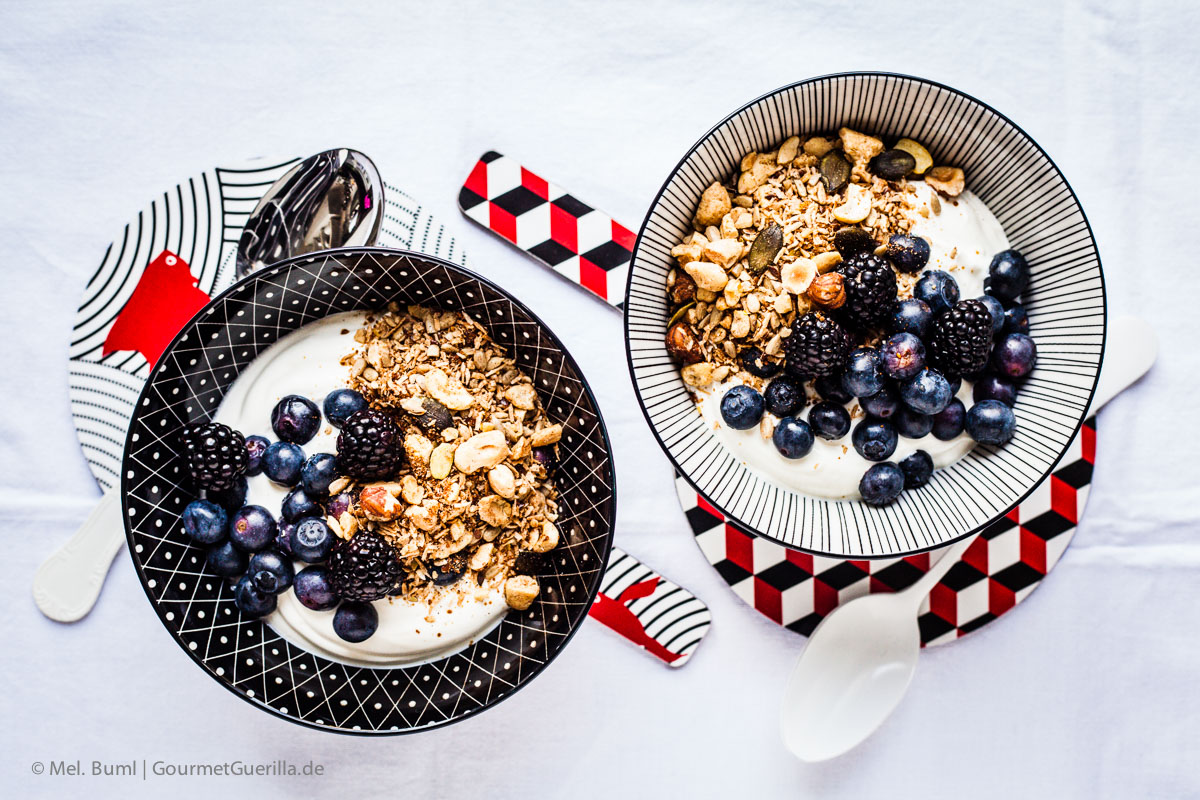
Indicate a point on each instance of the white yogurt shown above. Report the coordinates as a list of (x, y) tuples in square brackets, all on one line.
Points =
[(962, 240), (306, 362)]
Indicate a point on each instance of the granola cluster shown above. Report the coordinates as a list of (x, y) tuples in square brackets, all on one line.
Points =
[(762, 251), (474, 493)]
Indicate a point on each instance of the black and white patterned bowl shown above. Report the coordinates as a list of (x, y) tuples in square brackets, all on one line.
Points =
[(1066, 304), (247, 656)]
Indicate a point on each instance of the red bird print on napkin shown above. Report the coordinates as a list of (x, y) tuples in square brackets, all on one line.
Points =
[(165, 298)]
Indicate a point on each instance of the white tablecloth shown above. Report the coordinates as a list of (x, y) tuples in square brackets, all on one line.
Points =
[(1088, 690)]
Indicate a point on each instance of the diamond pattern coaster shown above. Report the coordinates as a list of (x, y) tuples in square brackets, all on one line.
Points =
[(1001, 569)]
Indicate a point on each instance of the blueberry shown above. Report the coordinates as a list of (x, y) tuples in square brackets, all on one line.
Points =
[(449, 571), (283, 538), (903, 355), (1008, 275), (874, 439), (252, 601), (881, 484), (252, 528), (927, 392), (829, 387), (312, 540), (851, 242), (547, 456), (1016, 320), (912, 316), (295, 419), (256, 447), (742, 408), (317, 473), (341, 404), (784, 396), (230, 498), (912, 424), (355, 621), (829, 420), (996, 309), (1014, 355), (313, 588), (339, 504), (756, 363), (226, 560), (298, 505), (948, 423), (909, 253), (955, 384), (271, 563), (282, 463), (864, 372), (882, 404), (204, 521), (938, 289), (991, 422), (793, 438), (917, 469), (994, 387)]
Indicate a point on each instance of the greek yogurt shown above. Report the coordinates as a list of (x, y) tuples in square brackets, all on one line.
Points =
[(963, 236), (307, 362)]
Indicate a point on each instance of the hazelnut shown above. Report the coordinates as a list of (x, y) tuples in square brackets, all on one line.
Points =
[(683, 344), (828, 290), (684, 288), (947, 180), (379, 503)]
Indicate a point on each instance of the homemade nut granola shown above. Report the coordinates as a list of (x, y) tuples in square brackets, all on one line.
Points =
[(471, 495), (762, 250)]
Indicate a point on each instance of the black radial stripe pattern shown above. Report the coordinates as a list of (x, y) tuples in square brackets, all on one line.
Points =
[(200, 219), (1066, 305), (248, 657)]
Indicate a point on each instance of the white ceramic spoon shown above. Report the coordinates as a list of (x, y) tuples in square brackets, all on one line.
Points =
[(861, 658)]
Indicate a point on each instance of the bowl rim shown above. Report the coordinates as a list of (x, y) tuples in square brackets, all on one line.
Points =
[(729, 517), (290, 262)]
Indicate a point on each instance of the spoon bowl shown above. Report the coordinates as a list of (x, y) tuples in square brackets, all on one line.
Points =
[(331, 199)]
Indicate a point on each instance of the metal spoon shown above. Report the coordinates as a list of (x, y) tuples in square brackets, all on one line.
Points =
[(859, 661), (331, 199)]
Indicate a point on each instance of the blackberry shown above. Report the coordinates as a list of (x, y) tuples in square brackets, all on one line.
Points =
[(370, 445), (961, 338), (215, 454), (818, 346), (870, 284), (364, 568)]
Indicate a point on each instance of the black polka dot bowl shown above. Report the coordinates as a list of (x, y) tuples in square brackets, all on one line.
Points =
[(246, 655)]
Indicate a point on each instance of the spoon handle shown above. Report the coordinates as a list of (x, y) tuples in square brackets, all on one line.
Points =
[(951, 556), (66, 585)]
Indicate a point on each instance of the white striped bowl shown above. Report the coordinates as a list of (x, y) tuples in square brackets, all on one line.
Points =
[(1065, 301)]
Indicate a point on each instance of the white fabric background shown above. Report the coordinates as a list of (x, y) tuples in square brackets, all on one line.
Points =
[(1088, 690)]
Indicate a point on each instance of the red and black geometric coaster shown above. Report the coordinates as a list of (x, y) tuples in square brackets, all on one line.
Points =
[(584, 245), (997, 572)]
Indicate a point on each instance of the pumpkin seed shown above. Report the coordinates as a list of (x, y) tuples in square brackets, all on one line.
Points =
[(679, 312), (893, 165), (835, 171), (766, 246)]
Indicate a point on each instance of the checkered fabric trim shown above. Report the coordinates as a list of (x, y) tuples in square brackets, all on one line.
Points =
[(997, 572), (584, 245), (665, 620)]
